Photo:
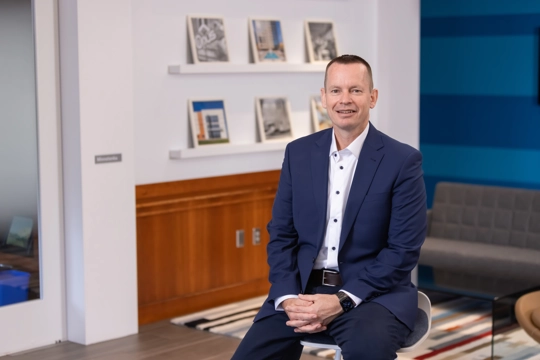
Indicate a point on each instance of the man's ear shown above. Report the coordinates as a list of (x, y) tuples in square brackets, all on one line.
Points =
[(373, 98)]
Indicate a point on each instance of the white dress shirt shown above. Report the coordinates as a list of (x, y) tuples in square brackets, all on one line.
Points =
[(340, 176)]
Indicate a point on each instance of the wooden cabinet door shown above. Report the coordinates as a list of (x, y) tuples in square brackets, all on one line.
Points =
[(188, 258)]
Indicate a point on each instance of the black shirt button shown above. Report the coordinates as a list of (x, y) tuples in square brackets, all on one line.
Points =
[(335, 220), (341, 167), (333, 248), (337, 192)]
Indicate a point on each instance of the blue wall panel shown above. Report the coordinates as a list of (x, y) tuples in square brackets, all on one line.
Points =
[(495, 65), (462, 8), (494, 25), (479, 111), (491, 121), (484, 163)]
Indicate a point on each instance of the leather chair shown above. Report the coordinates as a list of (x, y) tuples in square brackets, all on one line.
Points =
[(527, 311), (415, 338)]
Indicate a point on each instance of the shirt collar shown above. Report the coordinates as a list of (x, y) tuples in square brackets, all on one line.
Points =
[(355, 147)]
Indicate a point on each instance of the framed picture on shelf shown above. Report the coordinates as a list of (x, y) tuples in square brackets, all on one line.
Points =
[(208, 122), (319, 115), (207, 39), (321, 41), (273, 119), (266, 40)]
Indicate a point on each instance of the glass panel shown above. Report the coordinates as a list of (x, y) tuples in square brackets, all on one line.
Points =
[(19, 251)]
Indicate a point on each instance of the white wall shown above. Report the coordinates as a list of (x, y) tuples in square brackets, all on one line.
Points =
[(398, 69), (116, 88), (117, 97), (160, 39), (18, 123), (97, 119)]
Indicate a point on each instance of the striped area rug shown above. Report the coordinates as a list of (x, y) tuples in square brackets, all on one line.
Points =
[(461, 329)]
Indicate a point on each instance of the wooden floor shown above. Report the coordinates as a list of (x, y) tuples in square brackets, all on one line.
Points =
[(157, 341)]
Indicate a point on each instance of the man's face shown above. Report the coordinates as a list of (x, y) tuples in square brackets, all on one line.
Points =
[(347, 97)]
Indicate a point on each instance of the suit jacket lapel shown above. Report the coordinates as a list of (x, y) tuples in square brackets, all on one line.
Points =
[(366, 168), (319, 174)]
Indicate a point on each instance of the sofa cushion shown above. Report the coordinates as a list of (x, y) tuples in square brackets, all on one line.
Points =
[(486, 214), (505, 262)]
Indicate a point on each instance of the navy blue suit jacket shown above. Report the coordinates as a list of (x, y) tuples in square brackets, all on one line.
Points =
[(383, 228)]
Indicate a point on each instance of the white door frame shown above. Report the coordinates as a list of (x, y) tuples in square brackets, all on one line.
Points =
[(41, 322)]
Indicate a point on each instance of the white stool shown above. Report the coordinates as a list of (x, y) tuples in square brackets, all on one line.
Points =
[(422, 327)]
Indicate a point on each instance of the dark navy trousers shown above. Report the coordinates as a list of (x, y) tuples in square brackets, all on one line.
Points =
[(369, 332)]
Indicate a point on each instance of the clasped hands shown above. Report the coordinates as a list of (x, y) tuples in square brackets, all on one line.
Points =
[(311, 313)]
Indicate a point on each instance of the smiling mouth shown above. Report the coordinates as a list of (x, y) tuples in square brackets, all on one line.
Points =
[(346, 111)]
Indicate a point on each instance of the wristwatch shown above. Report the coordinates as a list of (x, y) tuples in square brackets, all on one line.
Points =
[(347, 304)]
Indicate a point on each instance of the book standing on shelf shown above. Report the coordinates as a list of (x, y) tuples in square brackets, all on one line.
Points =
[(208, 39), (321, 41), (208, 122), (267, 43), (274, 119), (319, 115)]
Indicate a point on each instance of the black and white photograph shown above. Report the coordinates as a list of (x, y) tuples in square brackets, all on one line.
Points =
[(208, 122), (321, 41), (267, 40), (319, 115), (273, 118), (207, 39)]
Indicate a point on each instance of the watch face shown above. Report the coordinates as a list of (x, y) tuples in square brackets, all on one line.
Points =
[(345, 301), (347, 304)]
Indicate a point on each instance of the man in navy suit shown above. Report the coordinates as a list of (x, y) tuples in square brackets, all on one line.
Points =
[(347, 225)]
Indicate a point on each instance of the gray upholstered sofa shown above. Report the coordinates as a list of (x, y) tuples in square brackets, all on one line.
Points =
[(484, 237)]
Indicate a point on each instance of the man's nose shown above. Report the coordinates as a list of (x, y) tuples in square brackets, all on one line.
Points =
[(345, 97)]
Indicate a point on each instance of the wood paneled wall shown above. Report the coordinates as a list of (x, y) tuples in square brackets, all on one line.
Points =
[(187, 258)]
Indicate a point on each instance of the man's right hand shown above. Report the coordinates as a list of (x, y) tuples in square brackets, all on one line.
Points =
[(297, 319)]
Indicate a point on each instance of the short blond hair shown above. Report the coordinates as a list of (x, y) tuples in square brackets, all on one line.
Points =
[(350, 59)]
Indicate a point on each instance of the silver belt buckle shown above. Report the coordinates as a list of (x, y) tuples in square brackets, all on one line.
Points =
[(324, 272)]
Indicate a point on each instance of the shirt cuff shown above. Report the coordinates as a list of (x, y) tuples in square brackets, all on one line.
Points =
[(281, 299), (356, 299)]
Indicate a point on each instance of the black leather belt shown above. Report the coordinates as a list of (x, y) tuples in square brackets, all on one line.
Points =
[(324, 277)]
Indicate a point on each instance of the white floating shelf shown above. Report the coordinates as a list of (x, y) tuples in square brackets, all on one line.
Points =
[(225, 149), (215, 68)]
